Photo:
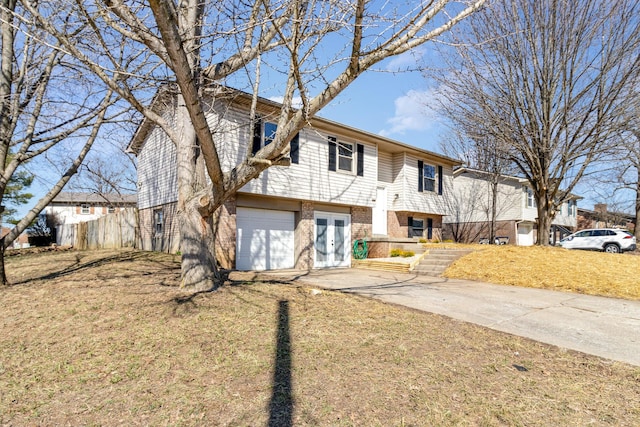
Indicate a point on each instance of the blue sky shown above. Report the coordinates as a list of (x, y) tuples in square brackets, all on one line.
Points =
[(394, 105), (394, 101)]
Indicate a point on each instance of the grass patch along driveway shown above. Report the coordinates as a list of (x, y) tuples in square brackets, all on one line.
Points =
[(587, 272), (107, 338)]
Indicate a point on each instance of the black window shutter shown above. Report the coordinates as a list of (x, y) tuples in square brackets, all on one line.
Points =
[(295, 149), (410, 226), (332, 153), (439, 179), (429, 228), (420, 176), (360, 151), (257, 136)]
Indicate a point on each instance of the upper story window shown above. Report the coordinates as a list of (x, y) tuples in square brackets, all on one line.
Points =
[(85, 209), (111, 209), (269, 132), (342, 155), (573, 205), (531, 200), (345, 156), (265, 132), (429, 177)]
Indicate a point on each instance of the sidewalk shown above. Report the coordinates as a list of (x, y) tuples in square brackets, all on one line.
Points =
[(600, 326)]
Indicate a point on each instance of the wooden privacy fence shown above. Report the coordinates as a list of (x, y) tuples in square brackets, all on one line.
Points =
[(113, 231)]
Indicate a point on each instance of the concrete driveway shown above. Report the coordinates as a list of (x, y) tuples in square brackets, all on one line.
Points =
[(600, 326)]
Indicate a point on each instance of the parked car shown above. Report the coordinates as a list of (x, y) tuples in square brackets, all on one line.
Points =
[(610, 240)]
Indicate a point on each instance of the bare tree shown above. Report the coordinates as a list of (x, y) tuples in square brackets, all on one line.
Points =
[(622, 176), (109, 169), (549, 79), (204, 43), (634, 183), (480, 150), (627, 161), (48, 104)]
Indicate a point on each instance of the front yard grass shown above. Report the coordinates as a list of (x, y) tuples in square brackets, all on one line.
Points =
[(593, 273), (108, 338)]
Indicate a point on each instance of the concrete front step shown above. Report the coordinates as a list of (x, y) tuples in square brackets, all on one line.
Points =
[(421, 267), (381, 265), (448, 257), (437, 261)]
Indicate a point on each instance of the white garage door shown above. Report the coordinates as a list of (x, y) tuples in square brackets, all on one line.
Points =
[(264, 239)]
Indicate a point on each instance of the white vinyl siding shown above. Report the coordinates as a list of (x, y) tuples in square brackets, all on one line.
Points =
[(157, 179), (566, 216), (473, 196), (312, 180), (398, 186), (426, 201), (529, 213), (232, 133), (472, 199), (385, 167)]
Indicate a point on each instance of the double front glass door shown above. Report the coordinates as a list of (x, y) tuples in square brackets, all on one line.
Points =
[(332, 238)]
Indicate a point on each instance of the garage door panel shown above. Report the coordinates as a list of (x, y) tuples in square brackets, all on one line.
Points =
[(265, 239)]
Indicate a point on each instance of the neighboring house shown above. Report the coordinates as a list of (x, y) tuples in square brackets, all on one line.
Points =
[(342, 184), (72, 208), (516, 211), (601, 217), (21, 242)]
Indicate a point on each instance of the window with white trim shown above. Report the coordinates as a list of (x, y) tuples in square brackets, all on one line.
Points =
[(531, 200), (429, 177), (416, 227), (111, 209), (264, 134), (85, 209), (345, 156)]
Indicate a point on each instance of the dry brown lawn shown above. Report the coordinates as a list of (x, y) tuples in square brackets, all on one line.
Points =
[(107, 338), (593, 273)]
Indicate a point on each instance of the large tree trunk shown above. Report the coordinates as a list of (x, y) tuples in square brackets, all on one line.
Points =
[(545, 215), (199, 270), (196, 233)]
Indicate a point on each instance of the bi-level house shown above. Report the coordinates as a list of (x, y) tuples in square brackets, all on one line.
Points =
[(515, 209), (343, 184), (69, 208)]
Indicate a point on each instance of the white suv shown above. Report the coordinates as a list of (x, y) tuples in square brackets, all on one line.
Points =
[(600, 239)]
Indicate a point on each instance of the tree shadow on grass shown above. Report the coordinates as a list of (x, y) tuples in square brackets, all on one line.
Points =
[(281, 405), (78, 266)]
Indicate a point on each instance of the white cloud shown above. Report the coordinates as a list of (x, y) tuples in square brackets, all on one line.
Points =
[(407, 61), (296, 102), (412, 113)]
